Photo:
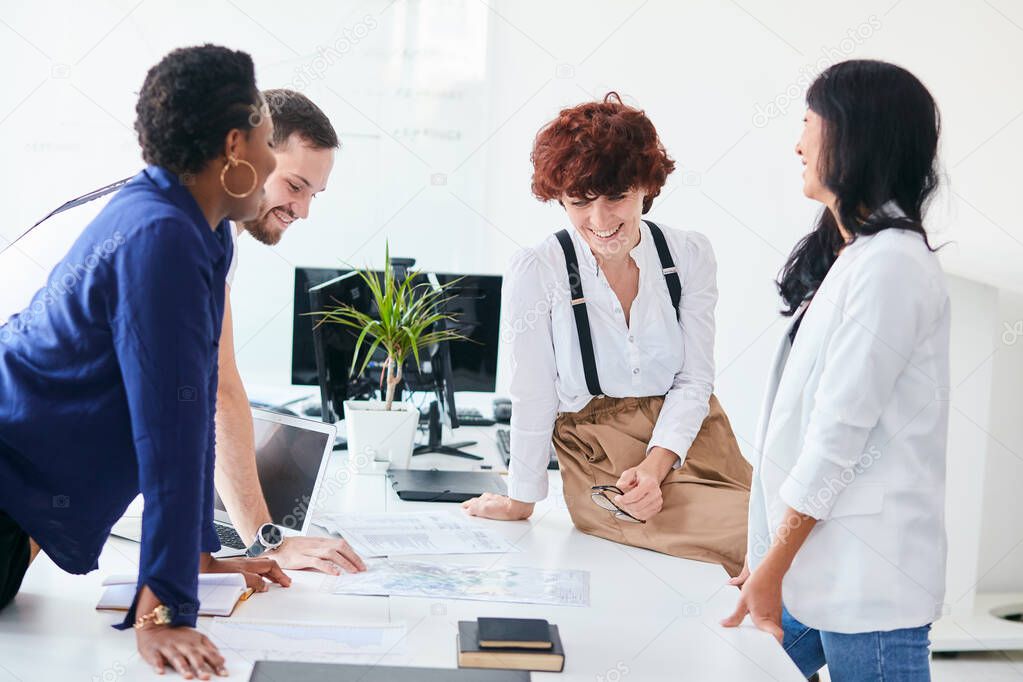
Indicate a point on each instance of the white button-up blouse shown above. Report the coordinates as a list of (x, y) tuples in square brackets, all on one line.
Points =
[(655, 354)]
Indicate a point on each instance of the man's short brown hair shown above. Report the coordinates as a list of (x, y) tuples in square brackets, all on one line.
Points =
[(293, 112)]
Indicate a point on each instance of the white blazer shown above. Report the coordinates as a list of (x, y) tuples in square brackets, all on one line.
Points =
[(852, 432)]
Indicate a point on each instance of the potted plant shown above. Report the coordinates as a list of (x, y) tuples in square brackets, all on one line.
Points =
[(408, 319)]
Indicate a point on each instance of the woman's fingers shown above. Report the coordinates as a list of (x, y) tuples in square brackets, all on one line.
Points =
[(196, 663), (275, 573), (153, 657), (628, 479), (254, 581), (269, 569), (179, 663), (737, 616), (212, 654)]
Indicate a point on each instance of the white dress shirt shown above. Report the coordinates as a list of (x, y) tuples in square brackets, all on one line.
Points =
[(234, 254), (853, 433), (655, 354)]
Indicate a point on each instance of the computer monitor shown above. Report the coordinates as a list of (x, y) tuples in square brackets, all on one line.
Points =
[(303, 359), (473, 301), (476, 303), (334, 345)]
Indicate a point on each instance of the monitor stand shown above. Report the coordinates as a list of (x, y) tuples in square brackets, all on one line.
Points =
[(434, 445)]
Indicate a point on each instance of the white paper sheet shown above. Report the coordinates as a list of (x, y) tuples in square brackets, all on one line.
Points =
[(305, 641), (402, 534), (522, 585)]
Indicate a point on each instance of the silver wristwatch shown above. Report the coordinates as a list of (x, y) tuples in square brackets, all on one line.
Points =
[(269, 537)]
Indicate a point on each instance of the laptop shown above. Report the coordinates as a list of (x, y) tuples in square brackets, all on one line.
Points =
[(432, 485), (291, 459), (295, 671)]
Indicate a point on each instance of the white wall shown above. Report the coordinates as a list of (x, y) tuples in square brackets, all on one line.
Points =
[(437, 103)]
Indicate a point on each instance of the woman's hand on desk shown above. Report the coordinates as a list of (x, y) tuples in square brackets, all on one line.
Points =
[(500, 507), (183, 649), (740, 580), (760, 597), (327, 555), (255, 569)]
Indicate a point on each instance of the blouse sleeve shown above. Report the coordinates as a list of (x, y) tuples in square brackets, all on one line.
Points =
[(688, 400), (529, 345)]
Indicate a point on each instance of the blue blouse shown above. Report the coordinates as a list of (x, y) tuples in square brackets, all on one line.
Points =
[(108, 384)]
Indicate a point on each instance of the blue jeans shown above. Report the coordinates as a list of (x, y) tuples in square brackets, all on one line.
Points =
[(901, 655)]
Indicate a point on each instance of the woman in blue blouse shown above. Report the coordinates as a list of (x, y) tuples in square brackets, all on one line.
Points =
[(108, 378)]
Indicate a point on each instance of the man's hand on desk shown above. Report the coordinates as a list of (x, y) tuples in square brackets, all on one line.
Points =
[(327, 555), (257, 570), (500, 507)]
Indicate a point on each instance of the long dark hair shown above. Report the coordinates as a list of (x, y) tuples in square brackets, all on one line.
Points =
[(879, 144)]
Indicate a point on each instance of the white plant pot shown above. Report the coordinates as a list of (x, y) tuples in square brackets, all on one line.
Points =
[(379, 435)]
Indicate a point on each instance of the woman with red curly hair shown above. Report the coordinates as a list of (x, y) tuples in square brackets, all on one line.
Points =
[(609, 328)]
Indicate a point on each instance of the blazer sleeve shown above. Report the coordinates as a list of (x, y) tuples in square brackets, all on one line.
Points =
[(890, 304), (164, 340)]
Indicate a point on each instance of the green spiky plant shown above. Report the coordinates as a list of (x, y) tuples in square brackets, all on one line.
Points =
[(408, 313)]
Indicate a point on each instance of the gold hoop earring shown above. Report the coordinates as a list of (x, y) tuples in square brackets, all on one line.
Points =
[(232, 162)]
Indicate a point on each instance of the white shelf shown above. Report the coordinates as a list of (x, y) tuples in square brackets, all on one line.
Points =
[(981, 630)]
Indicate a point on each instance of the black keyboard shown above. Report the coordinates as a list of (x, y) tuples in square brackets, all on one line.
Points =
[(504, 447), (471, 417), (229, 537)]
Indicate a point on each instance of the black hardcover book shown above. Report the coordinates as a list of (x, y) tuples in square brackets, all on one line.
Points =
[(471, 655), (522, 633)]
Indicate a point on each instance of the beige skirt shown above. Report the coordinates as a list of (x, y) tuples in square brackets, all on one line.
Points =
[(706, 500)]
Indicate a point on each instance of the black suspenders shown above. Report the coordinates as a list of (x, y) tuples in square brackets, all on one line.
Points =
[(582, 318)]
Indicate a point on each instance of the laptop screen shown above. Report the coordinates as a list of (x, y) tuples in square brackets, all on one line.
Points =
[(288, 460)]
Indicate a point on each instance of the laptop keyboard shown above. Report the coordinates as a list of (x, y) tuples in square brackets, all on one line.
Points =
[(229, 536)]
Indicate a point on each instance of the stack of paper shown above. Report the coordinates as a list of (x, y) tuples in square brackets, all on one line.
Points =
[(402, 534)]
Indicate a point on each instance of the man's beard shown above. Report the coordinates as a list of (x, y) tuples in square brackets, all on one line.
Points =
[(263, 228)]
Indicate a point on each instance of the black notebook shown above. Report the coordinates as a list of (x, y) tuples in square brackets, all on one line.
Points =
[(472, 655), (291, 671), (515, 633), (431, 485)]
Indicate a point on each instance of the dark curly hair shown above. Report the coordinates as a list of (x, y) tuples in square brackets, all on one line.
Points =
[(190, 101), (599, 148)]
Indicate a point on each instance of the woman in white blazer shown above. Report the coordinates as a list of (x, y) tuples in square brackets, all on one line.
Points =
[(846, 556)]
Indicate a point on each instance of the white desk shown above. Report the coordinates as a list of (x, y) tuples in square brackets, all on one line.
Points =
[(651, 616)]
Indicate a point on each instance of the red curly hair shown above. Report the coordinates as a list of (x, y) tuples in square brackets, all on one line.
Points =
[(599, 148)]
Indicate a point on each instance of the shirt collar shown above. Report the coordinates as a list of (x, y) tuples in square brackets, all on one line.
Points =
[(641, 252), (889, 209), (170, 184)]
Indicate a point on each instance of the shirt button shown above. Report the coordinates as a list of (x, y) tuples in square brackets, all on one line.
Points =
[(632, 339), (636, 370)]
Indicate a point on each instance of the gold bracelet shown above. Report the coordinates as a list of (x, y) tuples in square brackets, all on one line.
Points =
[(161, 615)]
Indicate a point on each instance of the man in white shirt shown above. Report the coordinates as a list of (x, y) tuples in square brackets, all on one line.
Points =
[(304, 145)]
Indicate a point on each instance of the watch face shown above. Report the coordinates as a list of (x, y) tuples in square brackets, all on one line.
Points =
[(271, 535)]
